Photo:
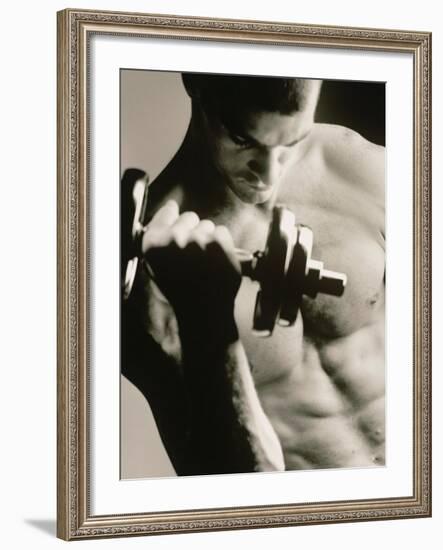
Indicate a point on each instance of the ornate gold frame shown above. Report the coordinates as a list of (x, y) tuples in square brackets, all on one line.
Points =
[(75, 27)]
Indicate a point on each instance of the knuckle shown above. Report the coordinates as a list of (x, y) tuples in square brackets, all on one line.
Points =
[(179, 236), (206, 225), (203, 231), (222, 232), (222, 228), (201, 240), (190, 218), (154, 238)]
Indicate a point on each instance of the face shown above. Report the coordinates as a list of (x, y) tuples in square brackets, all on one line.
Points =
[(252, 158)]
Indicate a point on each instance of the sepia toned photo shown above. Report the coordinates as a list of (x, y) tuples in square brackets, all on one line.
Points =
[(252, 246)]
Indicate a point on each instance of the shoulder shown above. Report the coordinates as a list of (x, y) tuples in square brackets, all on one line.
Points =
[(166, 186), (352, 157), (343, 144)]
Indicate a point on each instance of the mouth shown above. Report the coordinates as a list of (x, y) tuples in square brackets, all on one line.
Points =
[(254, 182)]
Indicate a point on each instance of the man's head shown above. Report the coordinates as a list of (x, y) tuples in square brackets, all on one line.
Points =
[(252, 125)]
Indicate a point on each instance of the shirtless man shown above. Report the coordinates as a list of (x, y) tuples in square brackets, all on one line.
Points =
[(311, 395)]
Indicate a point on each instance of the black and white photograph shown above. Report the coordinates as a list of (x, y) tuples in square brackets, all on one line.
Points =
[(252, 247)]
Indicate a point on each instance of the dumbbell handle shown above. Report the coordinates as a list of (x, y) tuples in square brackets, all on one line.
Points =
[(248, 262), (332, 283), (322, 280), (326, 281)]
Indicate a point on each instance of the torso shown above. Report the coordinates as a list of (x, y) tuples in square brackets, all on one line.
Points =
[(321, 381)]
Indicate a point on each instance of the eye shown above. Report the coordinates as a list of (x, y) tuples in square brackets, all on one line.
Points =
[(241, 142)]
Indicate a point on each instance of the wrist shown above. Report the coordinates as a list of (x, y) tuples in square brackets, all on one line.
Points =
[(207, 328)]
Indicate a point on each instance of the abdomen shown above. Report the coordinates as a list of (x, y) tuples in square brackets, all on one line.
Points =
[(328, 409)]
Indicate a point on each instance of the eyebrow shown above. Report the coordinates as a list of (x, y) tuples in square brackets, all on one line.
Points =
[(250, 139)]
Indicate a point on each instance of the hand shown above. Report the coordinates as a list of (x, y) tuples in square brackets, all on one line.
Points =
[(193, 262)]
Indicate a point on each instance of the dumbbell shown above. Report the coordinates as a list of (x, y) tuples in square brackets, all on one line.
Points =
[(284, 270)]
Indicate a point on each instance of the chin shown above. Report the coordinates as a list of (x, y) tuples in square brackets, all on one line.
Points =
[(262, 197), (252, 196)]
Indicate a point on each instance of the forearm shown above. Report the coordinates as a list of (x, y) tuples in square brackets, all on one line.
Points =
[(229, 431), (194, 265)]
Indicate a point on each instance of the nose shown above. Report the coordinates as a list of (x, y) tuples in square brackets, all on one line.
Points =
[(266, 165)]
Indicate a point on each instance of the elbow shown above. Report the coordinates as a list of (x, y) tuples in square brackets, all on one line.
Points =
[(269, 455), (273, 461)]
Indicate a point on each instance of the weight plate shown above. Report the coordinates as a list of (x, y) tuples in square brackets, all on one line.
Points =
[(296, 276), (271, 270)]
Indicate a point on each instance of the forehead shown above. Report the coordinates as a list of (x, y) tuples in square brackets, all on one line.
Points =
[(271, 128), (239, 98)]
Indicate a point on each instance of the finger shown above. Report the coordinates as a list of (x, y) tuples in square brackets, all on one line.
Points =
[(156, 237), (183, 227), (166, 216), (223, 237), (202, 233)]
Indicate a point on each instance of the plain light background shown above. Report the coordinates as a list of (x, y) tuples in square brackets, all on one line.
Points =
[(28, 275), (143, 93)]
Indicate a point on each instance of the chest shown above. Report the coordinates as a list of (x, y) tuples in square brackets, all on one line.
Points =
[(351, 243), (347, 238), (345, 241)]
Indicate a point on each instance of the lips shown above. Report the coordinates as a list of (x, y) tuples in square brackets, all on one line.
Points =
[(254, 182)]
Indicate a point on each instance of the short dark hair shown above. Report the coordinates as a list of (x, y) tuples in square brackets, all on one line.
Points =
[(232, 96)]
